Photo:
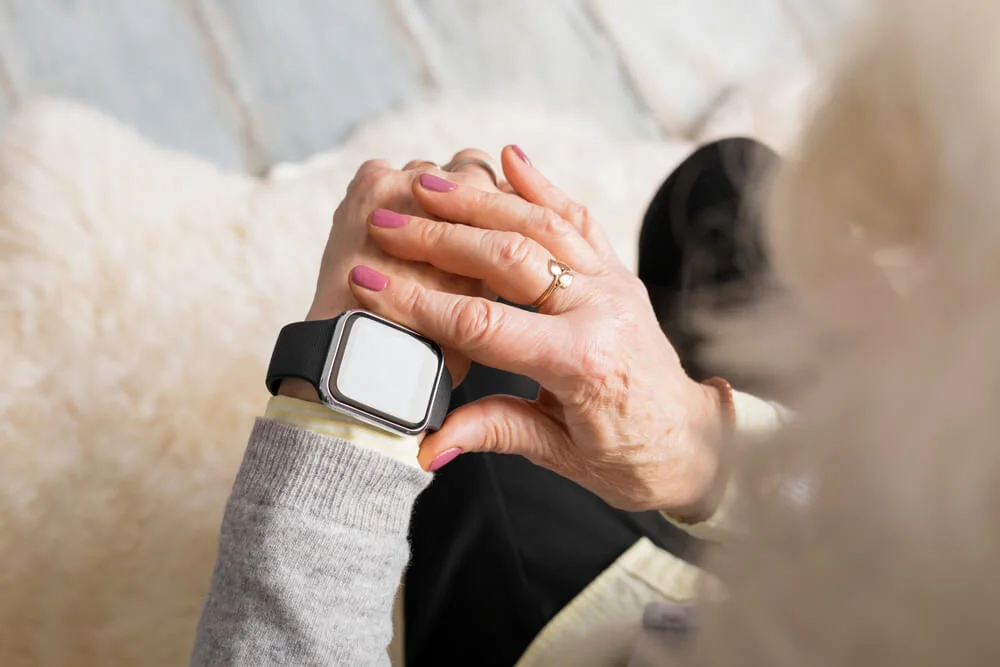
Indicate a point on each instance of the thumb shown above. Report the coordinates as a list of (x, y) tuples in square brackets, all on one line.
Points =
[(502, 424)]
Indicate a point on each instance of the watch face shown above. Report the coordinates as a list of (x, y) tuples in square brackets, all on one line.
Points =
[(385, 370)]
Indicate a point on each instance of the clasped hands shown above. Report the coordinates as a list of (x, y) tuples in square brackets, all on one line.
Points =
[(429, 248)]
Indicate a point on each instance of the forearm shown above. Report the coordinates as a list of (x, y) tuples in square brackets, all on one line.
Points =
[(312, 548)]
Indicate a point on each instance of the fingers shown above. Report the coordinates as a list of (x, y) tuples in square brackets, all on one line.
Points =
[(471, 166), (530, 184), (492, 333), (456, 202), (477, 167), (419, 165), (513, 266), (502, 424)]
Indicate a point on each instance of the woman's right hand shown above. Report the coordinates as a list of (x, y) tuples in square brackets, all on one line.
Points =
[(617, 413)]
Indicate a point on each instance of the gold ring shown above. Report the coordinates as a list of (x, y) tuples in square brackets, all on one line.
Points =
[(482, 164), (562, 278)]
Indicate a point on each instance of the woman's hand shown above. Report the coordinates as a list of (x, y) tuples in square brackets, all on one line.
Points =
[(616, 413), (378, 186)]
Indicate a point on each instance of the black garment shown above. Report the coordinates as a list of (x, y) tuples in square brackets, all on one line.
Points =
[(499, 545), (700, 247)]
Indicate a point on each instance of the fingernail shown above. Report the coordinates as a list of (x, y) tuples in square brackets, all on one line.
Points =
[(444, 458), (387, 219), (521, 154), (436, 183), (362, 276)]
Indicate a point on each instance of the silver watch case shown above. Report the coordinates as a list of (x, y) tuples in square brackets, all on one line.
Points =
[(362, 413)]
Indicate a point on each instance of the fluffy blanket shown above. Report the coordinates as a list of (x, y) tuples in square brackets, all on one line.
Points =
[(140, 292)]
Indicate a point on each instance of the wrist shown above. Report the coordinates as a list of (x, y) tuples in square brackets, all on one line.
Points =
[(324, 309), (300, 389), (713, 418), (296, 387)]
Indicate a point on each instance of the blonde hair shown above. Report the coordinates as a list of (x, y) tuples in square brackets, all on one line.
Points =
[(871, 526)]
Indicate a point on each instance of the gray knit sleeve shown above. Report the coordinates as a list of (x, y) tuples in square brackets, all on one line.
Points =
[(311, 551)]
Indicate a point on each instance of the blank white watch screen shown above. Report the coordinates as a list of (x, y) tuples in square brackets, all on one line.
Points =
[(387, 370)]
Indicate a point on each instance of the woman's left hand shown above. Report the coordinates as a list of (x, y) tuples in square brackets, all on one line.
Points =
[(616, 412)]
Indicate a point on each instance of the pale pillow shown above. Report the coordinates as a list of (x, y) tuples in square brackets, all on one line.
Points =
[(772, 107)]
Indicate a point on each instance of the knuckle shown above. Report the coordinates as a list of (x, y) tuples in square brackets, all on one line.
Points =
[(433, 234), (411, 297), (371, 165), (624, 321), (639, 293), (471, 176), (498, 436), (596, 366), (553, 224), (418, 165), (577, 213), (474, 320), (514, 250), (470, 152), (471, 173), (369, 177), (634, 285), (338, 213), (370, 169), (603, 378), (480, 201)]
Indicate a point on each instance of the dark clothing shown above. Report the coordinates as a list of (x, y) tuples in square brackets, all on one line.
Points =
[(499, 545)]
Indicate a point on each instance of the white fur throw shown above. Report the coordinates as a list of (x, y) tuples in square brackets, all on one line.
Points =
[(140, 293)]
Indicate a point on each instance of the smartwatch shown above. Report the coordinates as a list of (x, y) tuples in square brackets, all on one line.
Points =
[(367, 367)]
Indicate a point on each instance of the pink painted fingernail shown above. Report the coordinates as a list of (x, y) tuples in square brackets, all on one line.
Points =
[(521, 154), (387, 219), (436, 183), (362, 276), (444, 458)]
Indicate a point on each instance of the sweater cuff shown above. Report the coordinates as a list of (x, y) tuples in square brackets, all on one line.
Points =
[(329, 478), (321, 419), (755, 418)]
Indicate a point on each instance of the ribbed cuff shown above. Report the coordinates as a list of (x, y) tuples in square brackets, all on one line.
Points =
[(328, 478), (321, 419)]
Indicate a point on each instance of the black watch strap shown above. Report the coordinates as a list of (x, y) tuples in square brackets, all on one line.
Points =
[(442, 399), (300, 352)]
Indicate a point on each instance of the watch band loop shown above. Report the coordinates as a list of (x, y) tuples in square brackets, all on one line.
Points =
[(300, 352)]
